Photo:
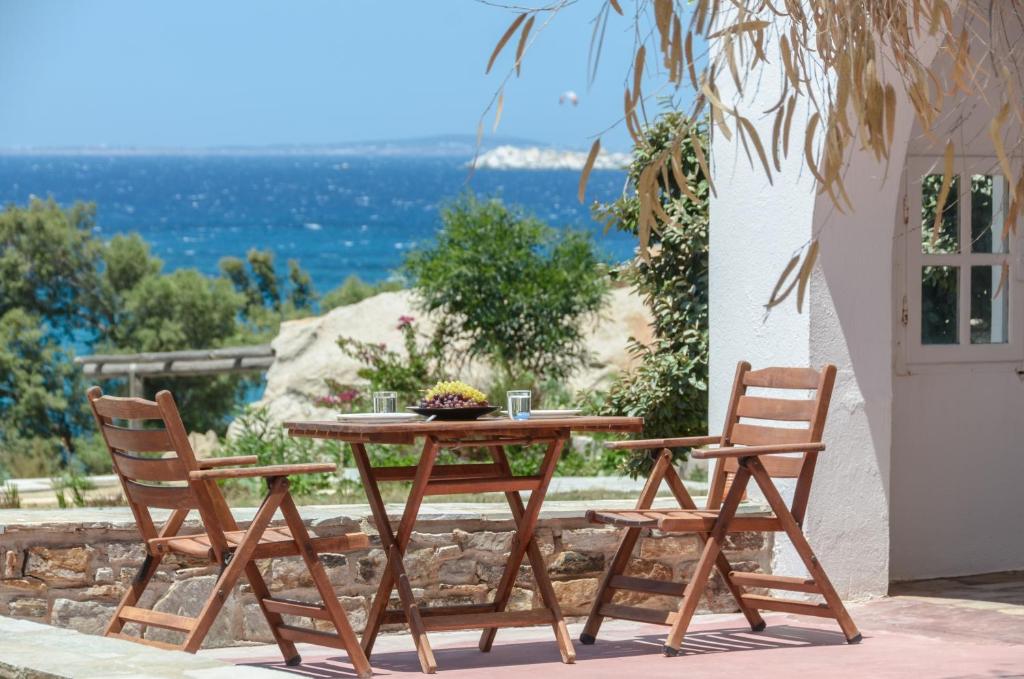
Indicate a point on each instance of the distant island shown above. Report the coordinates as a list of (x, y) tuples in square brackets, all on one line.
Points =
[(495, 153), (535, 158)]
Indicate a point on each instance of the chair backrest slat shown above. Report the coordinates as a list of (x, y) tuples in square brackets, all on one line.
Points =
[(750, 419), (144, 474), (149, 469), (119, 408), (783, 409), (138, 440), (782, 378), (777, 466), (163, 497), (760, 435)]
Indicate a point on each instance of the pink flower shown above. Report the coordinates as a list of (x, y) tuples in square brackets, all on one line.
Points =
[(405, 321), (338, 399)]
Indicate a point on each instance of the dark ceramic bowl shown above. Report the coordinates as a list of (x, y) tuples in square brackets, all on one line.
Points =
[(470, 413)]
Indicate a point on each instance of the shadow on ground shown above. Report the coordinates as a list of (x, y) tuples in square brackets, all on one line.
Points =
[(999, 588), (699, 642)]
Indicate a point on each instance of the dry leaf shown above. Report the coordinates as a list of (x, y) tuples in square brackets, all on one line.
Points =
[(805, 274), (587, 167), (498, 108), (522, 43), (504, 39)]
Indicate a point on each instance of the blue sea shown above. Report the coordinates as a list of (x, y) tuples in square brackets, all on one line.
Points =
[(337, 215)]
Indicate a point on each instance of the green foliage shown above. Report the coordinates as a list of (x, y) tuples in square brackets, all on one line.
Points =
[(354, 289), (48, 263), (60, 286), (301, 293), (70, 488), (257, 435), (41, 394), (669, 386), (421, 365), (514, 290), (10, 498)]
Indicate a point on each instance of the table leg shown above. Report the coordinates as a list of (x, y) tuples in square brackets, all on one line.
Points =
[(394, 546), (522, 541), (547, 592)]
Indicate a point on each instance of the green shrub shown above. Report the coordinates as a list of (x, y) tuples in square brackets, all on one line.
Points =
[(421, 365), (354, 289), (669, 386), (513, 291), (60, 285), (257, 435)]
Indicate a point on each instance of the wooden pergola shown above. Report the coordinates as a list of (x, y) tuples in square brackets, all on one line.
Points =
[(136, 367)]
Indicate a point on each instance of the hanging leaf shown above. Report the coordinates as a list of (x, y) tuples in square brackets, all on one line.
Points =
[(740, 28), (587, 167), (940, 203), (522, 43), (778, 294), (504, 39), (498, 108), (805, 274)]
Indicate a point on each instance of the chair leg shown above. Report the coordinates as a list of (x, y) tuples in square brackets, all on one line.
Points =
[(235, 565), (139, 583), (323, 586), (605, 593), (274, 620), (722, 564), (807, 555), (707, 561), (624, 551)]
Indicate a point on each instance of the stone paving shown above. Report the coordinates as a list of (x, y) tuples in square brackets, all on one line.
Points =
[(958, 628)]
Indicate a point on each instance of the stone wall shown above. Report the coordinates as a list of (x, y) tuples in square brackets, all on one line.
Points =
[(69, 568)]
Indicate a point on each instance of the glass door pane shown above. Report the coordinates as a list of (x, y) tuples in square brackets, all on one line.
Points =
[(947, 239), (990, 305), (939, 313), (989, 203)]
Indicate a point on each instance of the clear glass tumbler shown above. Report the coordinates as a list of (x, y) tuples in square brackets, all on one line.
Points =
[(385, 401), (519, 404)]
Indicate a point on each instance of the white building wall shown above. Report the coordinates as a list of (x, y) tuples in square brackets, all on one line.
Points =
[(755, 228), (958, 433)]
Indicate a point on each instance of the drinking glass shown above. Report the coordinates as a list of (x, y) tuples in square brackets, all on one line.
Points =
[(385, 401), (519, 404)]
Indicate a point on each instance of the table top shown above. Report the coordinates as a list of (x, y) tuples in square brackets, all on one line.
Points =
[(401, 432)]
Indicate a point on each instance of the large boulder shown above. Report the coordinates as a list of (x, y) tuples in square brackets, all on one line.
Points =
[(307, 352)]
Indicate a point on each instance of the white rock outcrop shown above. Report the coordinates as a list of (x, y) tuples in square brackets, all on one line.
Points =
[(535, 158), (308, 354)]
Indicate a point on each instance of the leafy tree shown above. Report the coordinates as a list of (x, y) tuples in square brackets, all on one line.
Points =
[(63, 288), (48, 263), (48, 297), (669, 386), (262, 264), (42, 398), (354, 289), (513, 289), (301, 293)]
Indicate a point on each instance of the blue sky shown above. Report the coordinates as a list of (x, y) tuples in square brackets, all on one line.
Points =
[(244, 72)]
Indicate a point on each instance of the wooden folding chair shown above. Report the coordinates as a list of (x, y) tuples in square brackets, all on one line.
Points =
[(745, 450), (180, 482)]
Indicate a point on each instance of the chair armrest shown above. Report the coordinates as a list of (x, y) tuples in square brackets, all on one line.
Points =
[(685, 441), (211, 462), (268, 472), (753, 451)]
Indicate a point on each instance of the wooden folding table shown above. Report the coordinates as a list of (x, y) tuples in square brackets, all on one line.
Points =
[(492, 434)]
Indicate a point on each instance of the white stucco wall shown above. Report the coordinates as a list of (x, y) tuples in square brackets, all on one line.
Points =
[(958, 434), (755, 228)]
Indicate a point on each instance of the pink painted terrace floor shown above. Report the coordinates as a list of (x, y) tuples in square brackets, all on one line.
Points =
[(952, 628)]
